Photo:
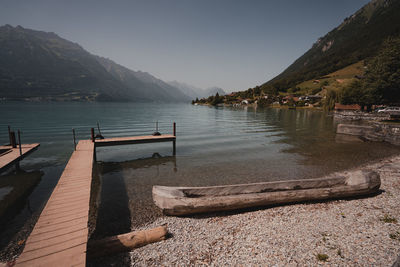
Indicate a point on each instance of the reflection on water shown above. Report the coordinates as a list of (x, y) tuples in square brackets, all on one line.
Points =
[(214, 146), (15, 189), (4, 191), (233, 147), (117, 184)]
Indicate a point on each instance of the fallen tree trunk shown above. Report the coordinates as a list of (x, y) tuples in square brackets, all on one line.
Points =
[(125, 242), (190, 200)]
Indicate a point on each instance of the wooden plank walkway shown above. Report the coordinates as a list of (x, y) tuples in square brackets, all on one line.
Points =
[(60, 235), (135, 140), (9, 158)]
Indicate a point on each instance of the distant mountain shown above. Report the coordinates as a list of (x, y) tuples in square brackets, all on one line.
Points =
[(155, 89), (214, 90), (42, 65), (195, 92), (357, 38)]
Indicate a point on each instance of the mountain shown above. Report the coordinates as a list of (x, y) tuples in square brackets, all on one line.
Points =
[(195, 92), (357, 38), (156, 89), (214, 90), (42, 65), (188, 90)]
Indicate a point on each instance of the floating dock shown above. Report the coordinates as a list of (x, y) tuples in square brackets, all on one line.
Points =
[(60, 235), (135, 140), (10, 155)]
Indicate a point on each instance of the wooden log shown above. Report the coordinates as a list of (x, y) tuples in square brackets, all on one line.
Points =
[(190, 200), (125, 242)]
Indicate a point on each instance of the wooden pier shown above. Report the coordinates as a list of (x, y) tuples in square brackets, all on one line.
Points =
[(11, 155), (117, 141), (60, 235)]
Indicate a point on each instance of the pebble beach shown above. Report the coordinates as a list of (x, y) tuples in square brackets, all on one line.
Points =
[(352, 232)]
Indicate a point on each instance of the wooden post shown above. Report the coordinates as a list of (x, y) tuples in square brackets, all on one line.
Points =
[(98, 128), (174, 142), (13, 142), (19, 141), (92, 134), (73, 133), (9, 134)]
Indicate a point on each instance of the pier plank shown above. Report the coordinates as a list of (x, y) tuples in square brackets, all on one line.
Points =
[(56, 233), (73, 225), (7, 159), (58, 239)]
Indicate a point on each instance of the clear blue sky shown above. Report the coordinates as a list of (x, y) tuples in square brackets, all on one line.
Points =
[(227, 43)]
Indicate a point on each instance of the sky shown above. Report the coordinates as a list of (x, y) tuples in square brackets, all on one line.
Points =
[(233, 44)]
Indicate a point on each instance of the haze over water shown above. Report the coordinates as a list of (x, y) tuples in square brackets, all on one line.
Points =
[(214, 146)]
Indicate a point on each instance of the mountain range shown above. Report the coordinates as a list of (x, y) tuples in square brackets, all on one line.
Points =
[(357, 38), (39, 65), (195, 92)]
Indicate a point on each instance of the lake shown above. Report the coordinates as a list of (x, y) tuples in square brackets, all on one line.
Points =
[(215, 145)]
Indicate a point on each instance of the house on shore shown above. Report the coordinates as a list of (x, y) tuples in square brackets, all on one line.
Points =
[(353, 107)]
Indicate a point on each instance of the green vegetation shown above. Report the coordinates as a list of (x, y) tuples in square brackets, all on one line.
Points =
[(322, 257), (388, 219), (357, 38), (380, 84), (382, 78), (338, 60), (332, 97), (366, 83), (345, 66), (216, 99), (212, 100), (395, 236)]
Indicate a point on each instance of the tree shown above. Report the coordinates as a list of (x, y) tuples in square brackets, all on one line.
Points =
[(382, 78), (332, 97), (217, 100)]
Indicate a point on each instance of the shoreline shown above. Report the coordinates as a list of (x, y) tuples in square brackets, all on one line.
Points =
[(361, 231), (206, 239)]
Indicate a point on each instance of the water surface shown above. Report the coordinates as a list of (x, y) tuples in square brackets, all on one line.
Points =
[(214, 146)]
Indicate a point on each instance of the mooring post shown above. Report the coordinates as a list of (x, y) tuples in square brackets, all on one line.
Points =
[(73, 134), (9, 134), (92, 134), (19, 141), (13, 142), (174, 142), (98, 128)]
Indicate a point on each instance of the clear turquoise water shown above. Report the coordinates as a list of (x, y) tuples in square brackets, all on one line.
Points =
[(214, 146)]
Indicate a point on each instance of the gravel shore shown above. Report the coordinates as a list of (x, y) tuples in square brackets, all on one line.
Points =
[(356, 232)]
